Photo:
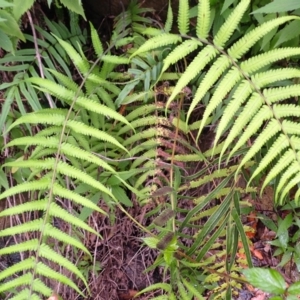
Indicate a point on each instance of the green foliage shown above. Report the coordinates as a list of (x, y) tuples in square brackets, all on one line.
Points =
[(278, 6), (272, 282), (287, 247), (11, 13), (90, 149), (52, 56), (245, 81)]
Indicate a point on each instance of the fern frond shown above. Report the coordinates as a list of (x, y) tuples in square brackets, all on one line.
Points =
[(251, 108), (66, 81), (257, 120), (180, 52), (80, 62), (63, 168), (291, 183), (290, 172), (30, 226), (25, 279), (272, 128), (203, 19), (183, 17), (213, 74), (25, 264), (48, 253), (259, 61), (24, 207), (98, 48), (285, 160), (51, 231), (243, 45), (46, 271), (201, 60), (277, 147), (230, 79), (81, 128), (244, 89), (40, 184), (231, 23), (65, 193), (158, 41), (169, 20), (68, 96), (66, 148)]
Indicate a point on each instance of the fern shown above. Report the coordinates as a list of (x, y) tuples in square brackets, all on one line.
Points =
[(244, 78), (89, 148), (54, 56)]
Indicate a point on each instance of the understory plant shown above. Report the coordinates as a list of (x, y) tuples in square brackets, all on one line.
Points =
[(129, 125)]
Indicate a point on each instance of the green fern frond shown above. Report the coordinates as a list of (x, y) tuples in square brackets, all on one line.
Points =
[(41, 184), (272, 128), (213, 74), (158, 41), (68, 96), (251, 108), (30, 226), (115, 60), (80, 62), (147, 121), (183, 17), (229, 81), (277, 147), (262, 115), (98, 48), (291, 183), (66, 81), (51, 231), (66, 148), (144, 110), (182, 292), (244, 89), (50, 254), (290, 172), (25, 207), (46, 271), (259, 61), (203, 19), (243, 45), (169, 20), (285, 160), (180, 52), (81, 128), (25, 279), (231, 23), (201, 60), (68, 194), (56, 211)]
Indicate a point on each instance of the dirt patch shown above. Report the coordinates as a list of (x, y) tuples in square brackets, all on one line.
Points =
[(123, 260)]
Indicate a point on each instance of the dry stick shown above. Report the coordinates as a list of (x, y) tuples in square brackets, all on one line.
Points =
[(38, 57)]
